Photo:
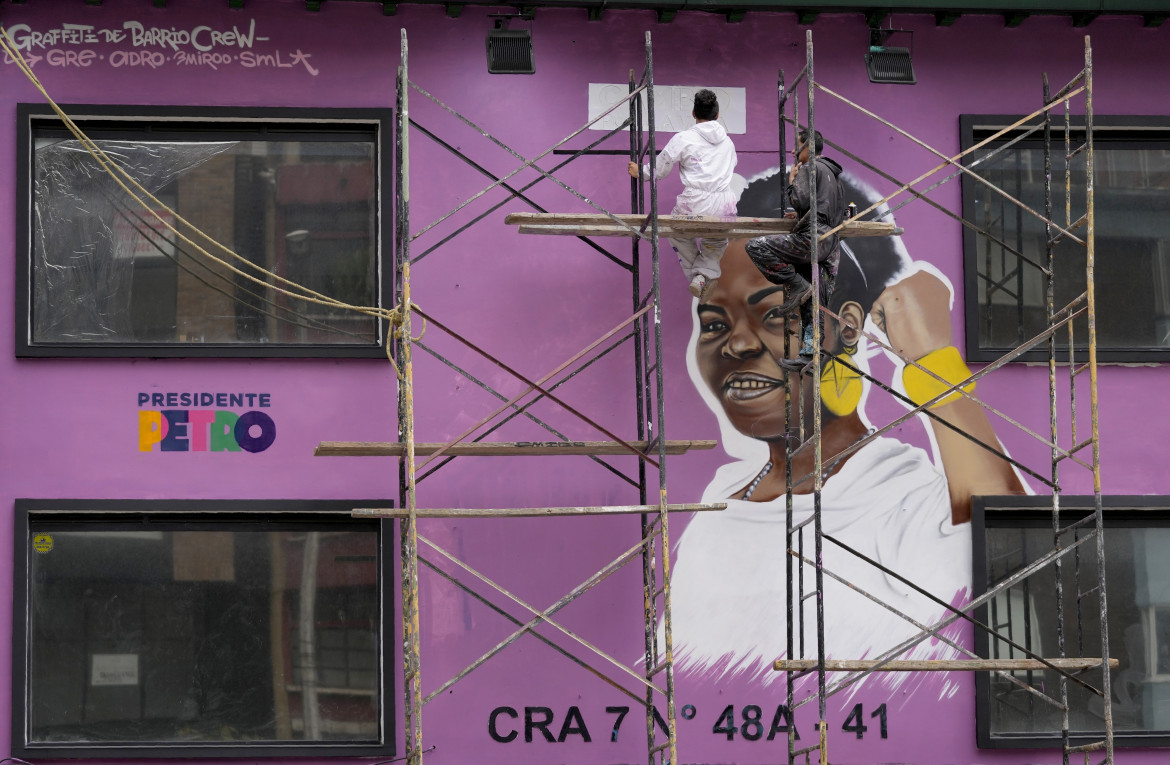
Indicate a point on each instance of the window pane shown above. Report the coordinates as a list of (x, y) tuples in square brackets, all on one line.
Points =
[(1138, 580), (1132, 273), (204, 637), (107, 270)]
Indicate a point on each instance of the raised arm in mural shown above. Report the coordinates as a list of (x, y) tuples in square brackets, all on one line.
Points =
[(915, 315)]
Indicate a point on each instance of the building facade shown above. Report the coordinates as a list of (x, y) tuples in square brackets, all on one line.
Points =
[(188, 580)]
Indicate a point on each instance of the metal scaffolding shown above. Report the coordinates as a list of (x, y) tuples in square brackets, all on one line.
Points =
[(642, 330), (795, 665), (654, 688)]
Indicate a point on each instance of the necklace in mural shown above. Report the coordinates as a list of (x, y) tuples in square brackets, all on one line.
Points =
[(756, 481)]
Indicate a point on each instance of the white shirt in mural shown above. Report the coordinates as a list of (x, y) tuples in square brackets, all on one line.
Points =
[(888, 501)]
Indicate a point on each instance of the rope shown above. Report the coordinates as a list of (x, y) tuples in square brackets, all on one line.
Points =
[(394, 316)]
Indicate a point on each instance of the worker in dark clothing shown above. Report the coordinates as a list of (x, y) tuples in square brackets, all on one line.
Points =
[(787, 258)]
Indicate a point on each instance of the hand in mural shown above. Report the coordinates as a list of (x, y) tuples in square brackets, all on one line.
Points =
[(915, 314)]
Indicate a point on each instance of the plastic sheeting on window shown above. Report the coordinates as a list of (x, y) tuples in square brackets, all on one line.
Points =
[(88, 233), (107, 271)]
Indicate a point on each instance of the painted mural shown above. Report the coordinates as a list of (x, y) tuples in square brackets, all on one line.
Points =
[(893, 502)]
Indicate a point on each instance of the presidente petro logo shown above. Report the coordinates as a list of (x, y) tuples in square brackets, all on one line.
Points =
[(204, 422)]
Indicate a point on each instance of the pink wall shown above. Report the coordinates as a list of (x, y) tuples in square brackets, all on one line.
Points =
[(71, 424)]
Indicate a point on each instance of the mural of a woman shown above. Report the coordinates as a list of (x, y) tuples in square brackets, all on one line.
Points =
[(888, 499)]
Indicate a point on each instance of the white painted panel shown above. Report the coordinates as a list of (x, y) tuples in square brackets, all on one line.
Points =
[(672, 106)]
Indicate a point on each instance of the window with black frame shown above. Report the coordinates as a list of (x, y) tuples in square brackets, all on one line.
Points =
[(180, 629), (1012, 532), (245, 202), (1005, 282)]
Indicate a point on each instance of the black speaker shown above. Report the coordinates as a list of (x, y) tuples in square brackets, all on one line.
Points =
[(509, 51)]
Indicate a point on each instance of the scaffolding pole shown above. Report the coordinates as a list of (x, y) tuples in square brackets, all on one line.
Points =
[(401, 342)]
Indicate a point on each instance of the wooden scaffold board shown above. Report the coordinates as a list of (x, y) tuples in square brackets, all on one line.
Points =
[(531, 512), (503, 449), (938, 665), (677, 226)]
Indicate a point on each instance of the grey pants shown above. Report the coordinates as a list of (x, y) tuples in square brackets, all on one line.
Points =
[(701, 258)]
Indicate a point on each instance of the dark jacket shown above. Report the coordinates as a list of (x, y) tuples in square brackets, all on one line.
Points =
[(830, 196)]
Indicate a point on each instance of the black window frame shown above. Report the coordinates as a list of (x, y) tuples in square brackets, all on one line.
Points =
[(1128, 129), (203, 122), (199, 515), (1035, 512)]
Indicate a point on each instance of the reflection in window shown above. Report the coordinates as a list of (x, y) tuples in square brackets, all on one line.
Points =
[(301, 201), (204, 636), (1138, 581), (1157, 634), (1132, 189)]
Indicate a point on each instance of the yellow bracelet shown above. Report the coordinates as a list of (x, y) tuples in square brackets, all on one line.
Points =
[(947, 364)]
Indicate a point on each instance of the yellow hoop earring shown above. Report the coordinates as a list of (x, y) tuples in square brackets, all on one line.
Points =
[(840, 388)]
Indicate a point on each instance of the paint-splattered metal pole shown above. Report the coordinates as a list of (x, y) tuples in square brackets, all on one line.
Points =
[(818, 479), (1090, 260), (408, 529), (790, 564), (666, 664), (638, 205), (645, 417), (1053, 414)]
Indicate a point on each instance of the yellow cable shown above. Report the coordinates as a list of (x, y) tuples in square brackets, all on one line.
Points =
[(394, 316)]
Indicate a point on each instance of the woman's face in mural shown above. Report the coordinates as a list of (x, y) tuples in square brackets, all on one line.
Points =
[(742, 329)]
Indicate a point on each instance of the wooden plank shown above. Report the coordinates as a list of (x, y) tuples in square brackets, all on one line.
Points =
[(848, 232), (502, 448), (937, 665), (636, 221), (559, 229), (663, 232), (731, 230), (597, 224), (530, 512)]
